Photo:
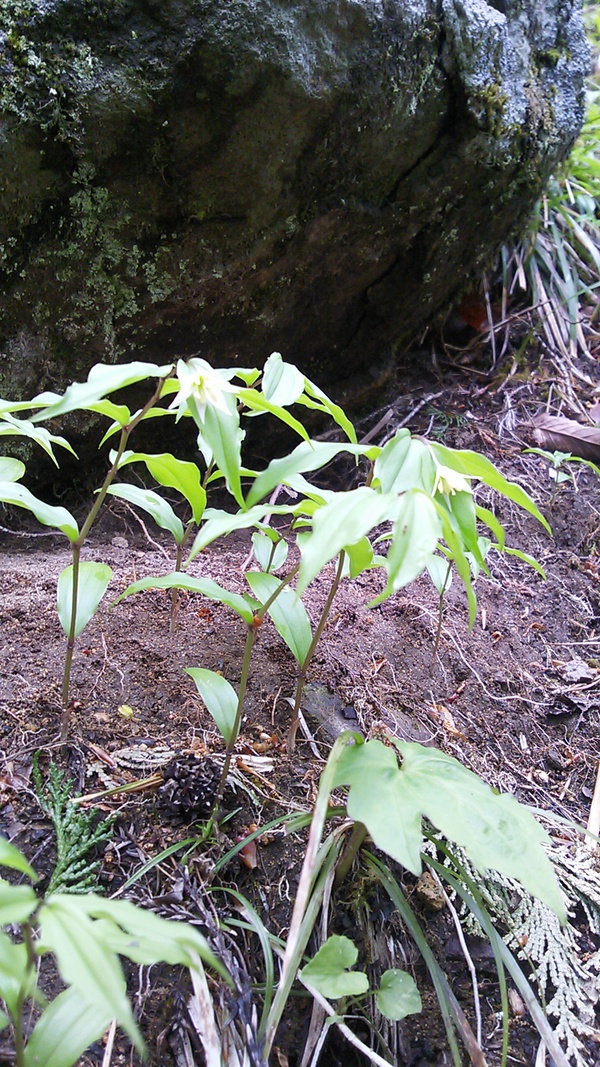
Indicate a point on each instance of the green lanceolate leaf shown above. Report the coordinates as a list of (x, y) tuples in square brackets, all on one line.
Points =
[(524, 557), (492, 524), (206, 586), (405, 463), (416, 533), (328, 971), (315, 398), (495, 830), (221, 432), (119, 412), (17, 902), (68, 1026), (57, 517), (440, 571), (85, 961), (288, 613), (345, 521), (146, 938), (270, 550), (220, 523), (11, 857), (398, 995), (359, 558), (258, 405), (177, 474), (11, 470), (475, 465), (307, 456), (11, 427), (152, 503), (102, 380), (282, 382), (16, 975), (219, 696), (91, 587)]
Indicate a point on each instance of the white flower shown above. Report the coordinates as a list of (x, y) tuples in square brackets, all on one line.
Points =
[(449, 482), (200, 386)]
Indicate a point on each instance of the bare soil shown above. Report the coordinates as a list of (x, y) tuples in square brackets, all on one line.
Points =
[(517, 700)]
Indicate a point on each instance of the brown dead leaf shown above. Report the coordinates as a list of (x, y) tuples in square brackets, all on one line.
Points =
[(558, 434)]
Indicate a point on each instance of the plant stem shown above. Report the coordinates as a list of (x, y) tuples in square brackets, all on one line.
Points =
[(291, 737), (359, 832), (78, 544), (20, 1002), (235, 729), (262, 611)]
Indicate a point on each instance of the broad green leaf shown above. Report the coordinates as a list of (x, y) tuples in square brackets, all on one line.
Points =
[(91, 587), (11, 427), (478, 466), (346, 520), (415, 536), (11, 857), (405, 463), (440, 571), (58, 517), (495, 830), (328, 970), (154, 504), (307, 456), (103, 379), (11, 470), (68, 1026), (312, 393), (398, 995), (219, 696), (84, 960), (282, 382), (17, 902), (359, 558), (258, 404), (288, 613), (270, 550), (178, 474), (221, 431), (4, 1020), (14, 967), (206, 586), (144, 937), (220, 523)]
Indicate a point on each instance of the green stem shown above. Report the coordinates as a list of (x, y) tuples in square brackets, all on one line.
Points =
[(438, 635), (175, 592), (78, 545), (20, 1002), (291, 737), (235, 729), (262, 611)]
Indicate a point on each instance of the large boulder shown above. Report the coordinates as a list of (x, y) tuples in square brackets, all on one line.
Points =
[(230, 177)]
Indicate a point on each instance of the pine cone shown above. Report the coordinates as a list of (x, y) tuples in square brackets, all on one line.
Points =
[(190, 786)]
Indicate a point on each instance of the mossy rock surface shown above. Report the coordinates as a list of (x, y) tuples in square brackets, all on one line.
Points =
[(230, 178)]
